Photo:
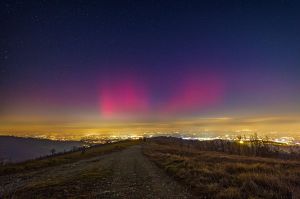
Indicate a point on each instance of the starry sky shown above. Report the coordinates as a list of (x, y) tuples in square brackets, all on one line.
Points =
[(198, 63)]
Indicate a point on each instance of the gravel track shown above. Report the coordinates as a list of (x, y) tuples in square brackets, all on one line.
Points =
[(126, 174)]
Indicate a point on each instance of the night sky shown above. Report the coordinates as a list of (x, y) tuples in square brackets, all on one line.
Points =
[(86, 62)]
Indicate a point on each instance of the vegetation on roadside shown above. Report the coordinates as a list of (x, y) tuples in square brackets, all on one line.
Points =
[(254, 146), (68, 157), (214, 174), (83, 184)]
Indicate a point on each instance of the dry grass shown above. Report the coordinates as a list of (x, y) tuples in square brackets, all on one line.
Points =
[(83, 185), (212, 174)]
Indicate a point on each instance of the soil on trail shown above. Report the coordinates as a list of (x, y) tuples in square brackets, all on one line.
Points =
[(124, 174)]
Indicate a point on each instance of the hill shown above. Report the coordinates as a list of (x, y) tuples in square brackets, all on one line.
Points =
[(16, 149), (151, 168)]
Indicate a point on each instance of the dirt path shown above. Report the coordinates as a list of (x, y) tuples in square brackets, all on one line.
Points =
[(124, 174)]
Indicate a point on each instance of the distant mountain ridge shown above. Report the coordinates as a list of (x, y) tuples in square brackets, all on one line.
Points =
[(16, 149)]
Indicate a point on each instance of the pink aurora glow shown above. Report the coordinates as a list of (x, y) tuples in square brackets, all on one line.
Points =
[(130, 95), (123, 96), (196, 93)]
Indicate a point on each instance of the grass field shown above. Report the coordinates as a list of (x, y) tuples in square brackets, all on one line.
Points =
[(65, 158), (212, 174)]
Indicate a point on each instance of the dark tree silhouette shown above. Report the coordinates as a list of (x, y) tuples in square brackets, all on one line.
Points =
[(53, 151)]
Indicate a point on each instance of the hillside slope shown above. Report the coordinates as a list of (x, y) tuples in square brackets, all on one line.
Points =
[(122, 174), (18, 149)]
